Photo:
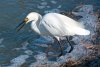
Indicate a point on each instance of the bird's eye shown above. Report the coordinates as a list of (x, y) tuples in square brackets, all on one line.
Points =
[(26, 19)]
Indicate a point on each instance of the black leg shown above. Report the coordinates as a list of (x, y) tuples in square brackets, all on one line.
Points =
[(69, 44), (60, 47)]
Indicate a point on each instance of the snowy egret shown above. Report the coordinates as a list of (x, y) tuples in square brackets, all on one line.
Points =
[(54, 24)]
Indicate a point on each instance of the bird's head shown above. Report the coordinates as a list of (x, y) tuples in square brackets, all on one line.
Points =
[(30, 17)]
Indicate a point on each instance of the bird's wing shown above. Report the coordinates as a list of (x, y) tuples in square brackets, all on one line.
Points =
[(61, 25), (51, 25)]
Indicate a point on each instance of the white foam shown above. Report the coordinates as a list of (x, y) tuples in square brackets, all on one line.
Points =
[(40, 6), (44, 3), (40, 59), (1, 45), (42, 45), (24, 46), (18, 61), (59, 6), (28, 52), (52, 10), (1, 40), (54, 2)]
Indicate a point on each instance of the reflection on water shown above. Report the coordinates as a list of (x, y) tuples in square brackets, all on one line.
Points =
[(14, 44)]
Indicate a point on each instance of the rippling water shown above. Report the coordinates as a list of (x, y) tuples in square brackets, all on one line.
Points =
[(12, 12)]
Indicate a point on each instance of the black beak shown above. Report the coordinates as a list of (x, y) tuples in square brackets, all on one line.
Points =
[(20, 26)]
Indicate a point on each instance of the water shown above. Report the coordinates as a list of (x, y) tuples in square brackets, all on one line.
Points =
[(14, 44)]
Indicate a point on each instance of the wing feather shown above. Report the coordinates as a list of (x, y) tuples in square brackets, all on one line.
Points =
[(60, 25)]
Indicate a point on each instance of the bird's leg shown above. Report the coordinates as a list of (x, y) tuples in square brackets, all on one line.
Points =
[(58, 41), (60, 48), (69, 44)]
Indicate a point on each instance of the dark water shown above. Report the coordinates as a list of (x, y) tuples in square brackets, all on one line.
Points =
[(13, 12)]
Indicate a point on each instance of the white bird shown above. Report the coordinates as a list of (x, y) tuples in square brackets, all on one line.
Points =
[(54, 24)]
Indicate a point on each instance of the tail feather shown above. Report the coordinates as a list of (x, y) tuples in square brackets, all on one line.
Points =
[(81, 31)]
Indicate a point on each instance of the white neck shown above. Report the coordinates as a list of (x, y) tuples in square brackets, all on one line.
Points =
[(35, 23)]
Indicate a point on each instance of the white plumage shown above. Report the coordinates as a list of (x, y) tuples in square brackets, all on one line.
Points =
[(56, 25)]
